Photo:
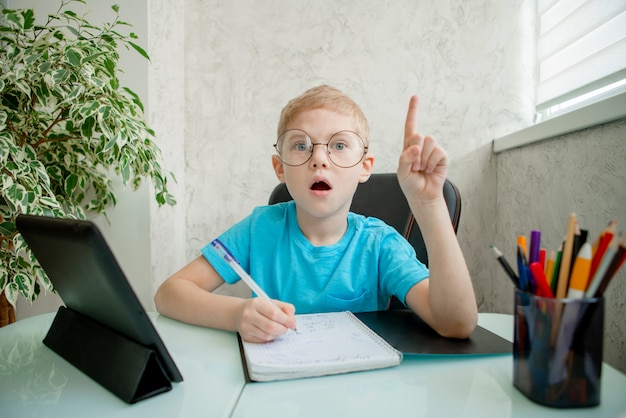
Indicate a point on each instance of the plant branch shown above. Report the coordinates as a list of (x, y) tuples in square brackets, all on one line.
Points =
[(47, 131)]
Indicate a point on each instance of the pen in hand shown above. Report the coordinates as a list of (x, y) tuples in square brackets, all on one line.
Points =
[(234, 264)]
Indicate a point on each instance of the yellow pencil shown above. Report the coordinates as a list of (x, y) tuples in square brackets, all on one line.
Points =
[(580, 273), (550, 267), (566, 257)]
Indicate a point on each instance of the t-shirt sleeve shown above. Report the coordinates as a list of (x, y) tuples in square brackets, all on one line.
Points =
[(237, 240), (400, 269)]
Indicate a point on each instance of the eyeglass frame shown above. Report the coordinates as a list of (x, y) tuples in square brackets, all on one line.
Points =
[(313, 144)]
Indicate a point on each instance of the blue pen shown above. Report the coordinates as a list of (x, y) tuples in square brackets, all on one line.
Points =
[(234, 264), (531, 284), (521, 270)]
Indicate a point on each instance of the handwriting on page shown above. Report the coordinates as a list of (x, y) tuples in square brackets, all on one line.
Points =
[(321, 338)]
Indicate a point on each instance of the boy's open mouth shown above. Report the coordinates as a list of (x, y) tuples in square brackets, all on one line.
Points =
[(320, 185)]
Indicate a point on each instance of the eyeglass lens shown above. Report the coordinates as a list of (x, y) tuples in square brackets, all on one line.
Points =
[(345, 149)]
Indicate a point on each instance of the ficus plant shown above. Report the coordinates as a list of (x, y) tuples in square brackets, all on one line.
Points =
[(66, 127)]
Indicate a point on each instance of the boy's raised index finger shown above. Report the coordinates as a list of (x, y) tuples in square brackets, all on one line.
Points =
[(410, 126)]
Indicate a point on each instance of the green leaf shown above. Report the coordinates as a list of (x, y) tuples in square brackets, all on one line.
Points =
[(12, 17), (74, 31), (43, 279), (4, 277), (109, 66), (48, 201), (88, 108), (93, 57), (139, 49), (30, 59), (15, 196), (11, 292), (24, 285), (7, 228), (3, 120), (104, 111), (23, 87), (87, 127), (73, 57), (110, 143), (29, 18), (54, 172), (70, 184), (98, 82), (76, 93), (60, 76), (135, 98)]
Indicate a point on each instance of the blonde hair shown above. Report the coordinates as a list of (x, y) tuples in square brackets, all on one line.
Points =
[(327, 97)]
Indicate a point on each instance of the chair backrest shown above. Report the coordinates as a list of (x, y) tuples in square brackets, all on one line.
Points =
[(382, 197)]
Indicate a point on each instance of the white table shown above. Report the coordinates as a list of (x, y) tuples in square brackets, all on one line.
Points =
[(34, 381)]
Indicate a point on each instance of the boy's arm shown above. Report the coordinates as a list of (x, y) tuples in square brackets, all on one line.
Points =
[(446, 300), (187, 296)]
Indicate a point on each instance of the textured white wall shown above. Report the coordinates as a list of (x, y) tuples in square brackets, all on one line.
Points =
[(245, 59)]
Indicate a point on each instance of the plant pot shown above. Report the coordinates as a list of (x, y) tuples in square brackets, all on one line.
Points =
[(7, 311)]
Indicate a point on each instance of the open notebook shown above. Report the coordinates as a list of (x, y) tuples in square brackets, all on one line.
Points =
[(326, 343)]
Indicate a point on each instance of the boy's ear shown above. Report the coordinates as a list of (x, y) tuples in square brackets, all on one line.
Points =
[(368, 165), (279, 168)]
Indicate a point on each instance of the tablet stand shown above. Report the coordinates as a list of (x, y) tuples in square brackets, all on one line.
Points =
[(128, 369)]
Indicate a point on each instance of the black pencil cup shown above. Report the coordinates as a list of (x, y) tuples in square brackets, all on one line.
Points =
[(557, 350)]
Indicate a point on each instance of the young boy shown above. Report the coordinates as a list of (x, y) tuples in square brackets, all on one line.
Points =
[(312, 255)]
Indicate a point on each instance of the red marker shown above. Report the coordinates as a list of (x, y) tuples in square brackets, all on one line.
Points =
[(543, 288)]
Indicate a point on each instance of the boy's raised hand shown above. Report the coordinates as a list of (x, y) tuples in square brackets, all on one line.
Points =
[(423, 163)]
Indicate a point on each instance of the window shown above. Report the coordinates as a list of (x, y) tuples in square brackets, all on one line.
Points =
[(581, 52), (581, 56)]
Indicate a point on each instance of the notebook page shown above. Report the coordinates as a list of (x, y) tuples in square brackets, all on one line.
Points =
[(322, 340)]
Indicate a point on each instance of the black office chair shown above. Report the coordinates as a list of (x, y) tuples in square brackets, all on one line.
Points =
[(381, 197)]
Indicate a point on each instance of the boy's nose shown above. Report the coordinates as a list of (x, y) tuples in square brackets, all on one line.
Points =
[(319, 155)]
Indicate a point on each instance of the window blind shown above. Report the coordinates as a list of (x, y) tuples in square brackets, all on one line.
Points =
[(581, 48)]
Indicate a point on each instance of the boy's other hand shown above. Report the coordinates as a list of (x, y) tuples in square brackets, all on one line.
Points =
[(423, 163), (262, 321)]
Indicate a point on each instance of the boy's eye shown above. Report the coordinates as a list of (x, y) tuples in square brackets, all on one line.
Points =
[(338, 146), (300, 146)]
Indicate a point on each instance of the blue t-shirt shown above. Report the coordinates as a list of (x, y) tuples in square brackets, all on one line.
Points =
[(371, 262)]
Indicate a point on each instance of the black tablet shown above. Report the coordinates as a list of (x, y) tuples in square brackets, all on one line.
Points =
[(87, 277)]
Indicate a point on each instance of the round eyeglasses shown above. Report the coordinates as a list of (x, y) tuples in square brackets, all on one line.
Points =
[(345, 148)]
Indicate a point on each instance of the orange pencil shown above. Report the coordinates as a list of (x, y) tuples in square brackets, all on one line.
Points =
[(521, 241)]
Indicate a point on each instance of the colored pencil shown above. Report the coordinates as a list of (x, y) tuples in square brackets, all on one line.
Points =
[(579, 279), (566, 257)]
